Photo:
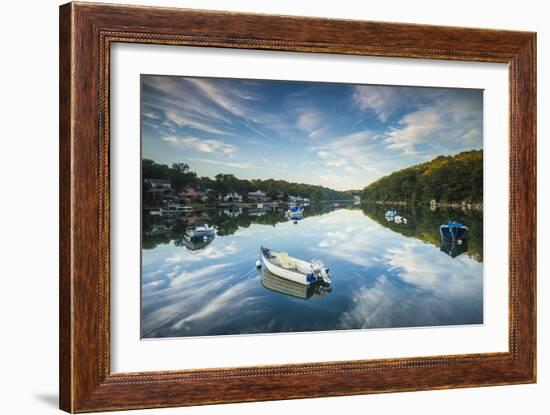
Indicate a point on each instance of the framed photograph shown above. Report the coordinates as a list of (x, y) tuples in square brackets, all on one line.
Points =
[(261, 207)]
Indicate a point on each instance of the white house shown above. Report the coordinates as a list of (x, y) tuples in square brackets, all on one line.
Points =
[(233, 197), (295, 199), (158, 183), (257, 196)]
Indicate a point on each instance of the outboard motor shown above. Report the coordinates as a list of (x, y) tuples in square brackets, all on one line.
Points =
[(320, 271)]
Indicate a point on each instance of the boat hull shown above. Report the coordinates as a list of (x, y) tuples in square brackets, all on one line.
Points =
[(453, 233), (453, 249), (298, 277), (201, 233), (295, 214), (284, 286)]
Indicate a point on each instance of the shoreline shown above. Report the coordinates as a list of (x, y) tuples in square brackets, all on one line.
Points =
[(431, 205)]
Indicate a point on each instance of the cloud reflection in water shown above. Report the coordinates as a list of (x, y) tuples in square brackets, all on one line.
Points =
[(381, 279)]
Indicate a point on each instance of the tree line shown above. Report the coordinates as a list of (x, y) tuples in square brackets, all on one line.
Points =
[(445, 179), (181, 176)]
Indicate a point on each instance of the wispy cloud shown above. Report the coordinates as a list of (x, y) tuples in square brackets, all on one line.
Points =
[(309, 122), (449, 123), (223, 163), (335, 135), (164, 93), (223, 97), (385, 101), (351, 153), (202, 145), (150, 114), (415, 128), (382, 101), (332, 159), (190, 121)]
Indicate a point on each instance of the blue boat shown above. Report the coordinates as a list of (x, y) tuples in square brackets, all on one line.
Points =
[(453, 231), (295, 213), (453, 249)]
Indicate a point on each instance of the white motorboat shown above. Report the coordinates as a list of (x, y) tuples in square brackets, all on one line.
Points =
[(201, 229), (163, 212), (294, 269), (400, 220), (176, 208), (197, 243), (391, 213)]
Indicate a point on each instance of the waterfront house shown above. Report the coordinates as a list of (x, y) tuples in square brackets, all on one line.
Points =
[(158, 183), (296, 199), (158, 190), (191, 192), (233, 197), (257, 196)]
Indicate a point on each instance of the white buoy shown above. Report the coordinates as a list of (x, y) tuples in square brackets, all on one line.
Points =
[(258, 264)]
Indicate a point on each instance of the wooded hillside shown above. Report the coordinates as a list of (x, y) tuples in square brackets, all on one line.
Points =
[(445, 179)]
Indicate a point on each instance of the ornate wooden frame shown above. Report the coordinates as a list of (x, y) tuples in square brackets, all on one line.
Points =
[(86, 33)]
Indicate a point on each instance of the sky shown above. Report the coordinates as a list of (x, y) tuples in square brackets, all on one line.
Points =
[(341, 136)]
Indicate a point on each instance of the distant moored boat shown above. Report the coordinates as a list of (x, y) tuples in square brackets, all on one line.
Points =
[(295, 213), (453, 231), (201, 229), (400, 220), (391, 213)]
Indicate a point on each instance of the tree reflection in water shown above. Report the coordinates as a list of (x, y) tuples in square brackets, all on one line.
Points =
[(422, 223)]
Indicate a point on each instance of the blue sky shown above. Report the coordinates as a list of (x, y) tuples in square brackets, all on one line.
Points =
[(341, 136)]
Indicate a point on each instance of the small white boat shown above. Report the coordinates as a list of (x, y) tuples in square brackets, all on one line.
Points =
[(391, 213), (201, 229), (197, 243), (294, 269), (257, 212), (163, 212), (174, 207), (295, 213)]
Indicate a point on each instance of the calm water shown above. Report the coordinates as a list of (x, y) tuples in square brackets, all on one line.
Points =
[(383, 274)]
